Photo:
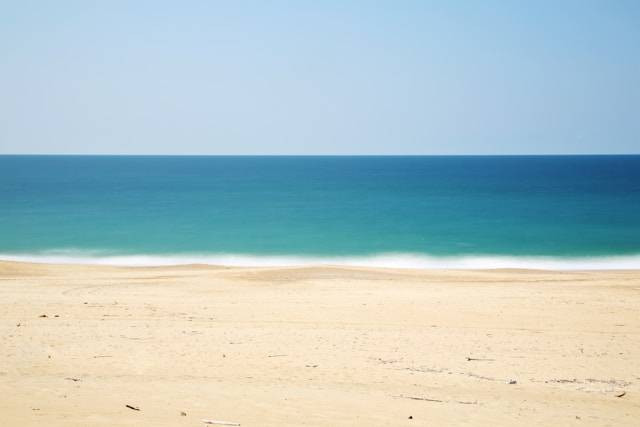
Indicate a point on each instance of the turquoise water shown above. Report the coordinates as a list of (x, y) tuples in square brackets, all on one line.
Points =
[(415, 210)]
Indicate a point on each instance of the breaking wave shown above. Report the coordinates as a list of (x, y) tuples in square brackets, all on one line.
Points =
[(386, 260)]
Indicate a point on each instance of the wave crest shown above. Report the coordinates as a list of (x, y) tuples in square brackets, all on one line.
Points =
[(387, 260)]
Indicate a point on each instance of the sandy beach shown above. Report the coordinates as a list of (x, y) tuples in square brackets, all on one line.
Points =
[(321, 346)]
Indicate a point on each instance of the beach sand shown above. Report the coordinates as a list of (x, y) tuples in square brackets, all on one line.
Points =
[(318, 346)]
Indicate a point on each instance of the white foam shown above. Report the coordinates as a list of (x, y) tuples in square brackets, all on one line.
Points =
[(389, 260)]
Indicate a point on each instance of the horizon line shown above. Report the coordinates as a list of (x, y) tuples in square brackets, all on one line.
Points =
[(311, 155)]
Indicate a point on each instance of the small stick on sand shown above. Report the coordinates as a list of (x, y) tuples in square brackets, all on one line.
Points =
[(221, 423), (419, 398), (469, 359)]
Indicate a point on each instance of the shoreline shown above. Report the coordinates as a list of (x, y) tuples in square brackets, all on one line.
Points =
[(385, 260), (317, 346)]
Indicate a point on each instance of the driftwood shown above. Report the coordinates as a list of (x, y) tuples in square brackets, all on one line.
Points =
[(220, 423), (469, 359), (419, 398), (426, 399), (132, 407), (621, 394)]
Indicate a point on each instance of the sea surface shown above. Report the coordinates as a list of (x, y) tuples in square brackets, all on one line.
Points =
[(405, 211)]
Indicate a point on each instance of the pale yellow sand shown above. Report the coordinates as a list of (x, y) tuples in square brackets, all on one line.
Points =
[(317, 346)]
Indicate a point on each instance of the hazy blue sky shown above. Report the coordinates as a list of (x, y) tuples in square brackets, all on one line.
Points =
[(320, 77)]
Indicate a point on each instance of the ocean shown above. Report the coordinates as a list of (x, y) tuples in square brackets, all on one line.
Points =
[(393, 211)]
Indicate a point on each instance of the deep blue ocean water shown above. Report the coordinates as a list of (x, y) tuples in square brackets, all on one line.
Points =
[(209, 208)]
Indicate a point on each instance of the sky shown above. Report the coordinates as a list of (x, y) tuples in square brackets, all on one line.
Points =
[(320, 77)]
